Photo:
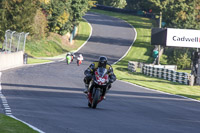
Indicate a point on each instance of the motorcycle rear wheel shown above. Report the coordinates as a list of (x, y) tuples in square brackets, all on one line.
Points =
[(89, 104)]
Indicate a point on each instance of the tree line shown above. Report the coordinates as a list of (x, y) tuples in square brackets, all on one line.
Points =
[(38, 17), (176, 13), (183, 14)]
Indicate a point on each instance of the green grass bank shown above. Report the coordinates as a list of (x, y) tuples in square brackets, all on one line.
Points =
[(141, 51), (55, 45), (45, 48), (10, 125)]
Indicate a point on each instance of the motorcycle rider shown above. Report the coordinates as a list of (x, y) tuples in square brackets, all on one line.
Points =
[(79, 58), (68, 58), (89, 72), (72, 55)]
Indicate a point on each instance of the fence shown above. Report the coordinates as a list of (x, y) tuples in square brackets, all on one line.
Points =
[(166, 74), (14, 41)]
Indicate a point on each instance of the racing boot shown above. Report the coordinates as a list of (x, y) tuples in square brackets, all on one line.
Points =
[(86, 89), (104, 98)]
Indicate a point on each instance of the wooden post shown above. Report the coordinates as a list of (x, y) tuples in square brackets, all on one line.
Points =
[(160, 26)]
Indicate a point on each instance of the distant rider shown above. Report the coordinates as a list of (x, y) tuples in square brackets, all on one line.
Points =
[(72, 56), (68, 58), (79, 59), (89, 72)]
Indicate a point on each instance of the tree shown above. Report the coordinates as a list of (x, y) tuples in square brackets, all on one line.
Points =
[(78, 10), (63, 15), (118, 3), (138, 5), (40, 25), (17, 15), (57, 13), (113, 3), (178, 13)]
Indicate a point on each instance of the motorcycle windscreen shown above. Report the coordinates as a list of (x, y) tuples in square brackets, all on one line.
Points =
[(101, 71)]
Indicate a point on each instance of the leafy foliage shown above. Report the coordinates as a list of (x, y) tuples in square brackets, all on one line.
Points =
[(63, 15), (78, 9), (182, 14), (113, 3), (138, 5), (177, 56), (178, 13), (57, 15), (40, 25), (17, 15)]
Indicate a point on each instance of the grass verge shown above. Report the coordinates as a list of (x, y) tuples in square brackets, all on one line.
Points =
[(141, 51), (35, 61), (53, 45), (10, 125), (43, 48)]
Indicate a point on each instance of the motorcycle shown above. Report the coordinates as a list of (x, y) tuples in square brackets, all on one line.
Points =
[(98, 86), (79, 59), (68, 59), (79, 62)]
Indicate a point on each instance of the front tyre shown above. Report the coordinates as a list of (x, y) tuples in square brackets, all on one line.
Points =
[(96, 96)]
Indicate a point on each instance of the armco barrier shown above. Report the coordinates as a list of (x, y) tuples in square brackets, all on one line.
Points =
[(11, 60), (133, 65), (166, 74)]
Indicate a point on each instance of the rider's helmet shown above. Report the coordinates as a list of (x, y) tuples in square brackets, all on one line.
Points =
[(102, 61), (80, 55)]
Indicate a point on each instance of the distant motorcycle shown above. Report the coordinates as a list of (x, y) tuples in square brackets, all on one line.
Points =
[(99, 84), (68, 59), (79, 59), (79, 62)]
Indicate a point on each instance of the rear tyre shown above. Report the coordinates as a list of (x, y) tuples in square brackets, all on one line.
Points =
[(89, 104), (77, 62)]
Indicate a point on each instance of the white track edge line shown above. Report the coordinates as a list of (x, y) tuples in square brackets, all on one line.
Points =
[(34, 128), (91, 30), (131, 44), (158, 91), (142, 86), (133, 39), (8, 111)]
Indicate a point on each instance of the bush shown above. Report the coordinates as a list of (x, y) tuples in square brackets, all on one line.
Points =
[(177, 56), (39, 25)]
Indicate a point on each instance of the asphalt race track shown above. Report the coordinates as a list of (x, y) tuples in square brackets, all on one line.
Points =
[(50, 97)]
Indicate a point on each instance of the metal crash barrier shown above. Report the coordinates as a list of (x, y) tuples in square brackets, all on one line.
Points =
[(12, 52)]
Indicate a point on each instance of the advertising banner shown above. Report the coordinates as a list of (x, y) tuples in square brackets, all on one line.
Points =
[(183, 38)]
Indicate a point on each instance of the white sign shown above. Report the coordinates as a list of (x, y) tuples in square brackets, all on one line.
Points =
[(183, 38)]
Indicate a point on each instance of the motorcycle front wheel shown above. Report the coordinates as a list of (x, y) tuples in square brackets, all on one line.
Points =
[(96, 97)]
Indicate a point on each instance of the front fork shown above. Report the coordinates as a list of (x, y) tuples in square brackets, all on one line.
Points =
[(90, 97)]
